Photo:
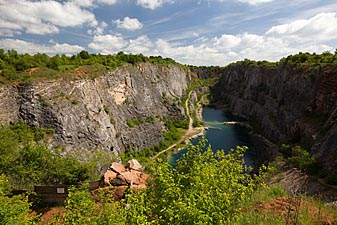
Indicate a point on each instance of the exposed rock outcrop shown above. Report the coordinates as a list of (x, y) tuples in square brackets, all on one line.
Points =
[(118, 175), (287, 104), (94, 113)]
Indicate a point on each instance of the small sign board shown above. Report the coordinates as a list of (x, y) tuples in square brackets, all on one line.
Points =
[(60, 190)]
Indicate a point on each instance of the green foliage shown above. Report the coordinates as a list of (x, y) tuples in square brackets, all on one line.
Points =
[(82, 209), (173, 134), (134, 123), (197, 83), (26, 159), (13, 210), (299, 60), (84, 55), (15, 67), (300, 158), (204, 188), (149, 119)]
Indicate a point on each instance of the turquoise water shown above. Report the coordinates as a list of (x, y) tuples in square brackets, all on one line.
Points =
[(221, 136)]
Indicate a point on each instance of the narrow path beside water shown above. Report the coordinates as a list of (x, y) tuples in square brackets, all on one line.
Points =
[(191, 132)]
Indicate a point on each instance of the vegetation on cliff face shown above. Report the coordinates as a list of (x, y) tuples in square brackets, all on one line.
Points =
[(205, 187), (291, 102), (23, 67), (26, 159)]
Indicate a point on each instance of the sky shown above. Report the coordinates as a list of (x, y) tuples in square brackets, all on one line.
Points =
[(193, 32)]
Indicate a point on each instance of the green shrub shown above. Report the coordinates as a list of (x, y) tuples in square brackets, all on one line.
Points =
[(134, 123), (27, 160), (302, 159), (149, 119), (13, 210), (205, 188)]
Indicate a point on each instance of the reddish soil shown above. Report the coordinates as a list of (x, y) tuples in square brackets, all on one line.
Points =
[(32, 70), (290, 208), (79, 72), (49, 214)]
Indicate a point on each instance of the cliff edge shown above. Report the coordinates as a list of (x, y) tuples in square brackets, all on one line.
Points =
[(96, 113), (286, 103)]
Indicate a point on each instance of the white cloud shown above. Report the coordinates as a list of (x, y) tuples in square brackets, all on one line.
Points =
[(128, 24), (84, 3), (190, 54), (8, 33), (32, 48), (99, 29), (250, 2), (152, 4), (321, 27), (139, 45), (92, 3), (246, 40), (43, 17), (227, 41), (108, 44), (255, 2), (107, 2), (310, 35)]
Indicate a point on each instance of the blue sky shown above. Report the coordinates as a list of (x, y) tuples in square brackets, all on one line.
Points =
[(198, 32)]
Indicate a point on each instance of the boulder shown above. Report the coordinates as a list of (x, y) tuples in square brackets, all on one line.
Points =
[(117, 167), (120, 178), (132, 177), (133, 164), (119, 181), (109, 176)]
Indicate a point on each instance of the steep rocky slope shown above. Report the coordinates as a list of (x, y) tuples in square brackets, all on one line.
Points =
[(93, 113), (287, 104)]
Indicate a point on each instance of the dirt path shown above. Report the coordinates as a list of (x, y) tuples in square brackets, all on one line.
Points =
[(190, 133)]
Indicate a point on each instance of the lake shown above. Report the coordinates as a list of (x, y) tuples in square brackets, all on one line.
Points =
[(222, 137)]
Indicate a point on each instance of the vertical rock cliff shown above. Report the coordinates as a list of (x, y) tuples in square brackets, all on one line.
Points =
[(94, 113), (287, 104)]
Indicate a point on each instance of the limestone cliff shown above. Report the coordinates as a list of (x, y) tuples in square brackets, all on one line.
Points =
[(93, 113), (287, 104)]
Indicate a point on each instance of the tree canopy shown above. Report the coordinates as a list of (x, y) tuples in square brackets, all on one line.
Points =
[(15, 66)]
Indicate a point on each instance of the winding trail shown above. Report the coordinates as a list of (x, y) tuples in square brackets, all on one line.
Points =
[(190, 132)]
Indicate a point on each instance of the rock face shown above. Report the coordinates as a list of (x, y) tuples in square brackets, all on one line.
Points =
[(125, 176), (287, 104), (94, 113)]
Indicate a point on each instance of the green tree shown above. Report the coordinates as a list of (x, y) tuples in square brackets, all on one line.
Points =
[(13, 210), (84, 54), (27, 160), (82, 208), (204, 188), (302, 159)]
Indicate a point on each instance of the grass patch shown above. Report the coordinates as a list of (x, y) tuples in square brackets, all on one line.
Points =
[(134, 123)]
